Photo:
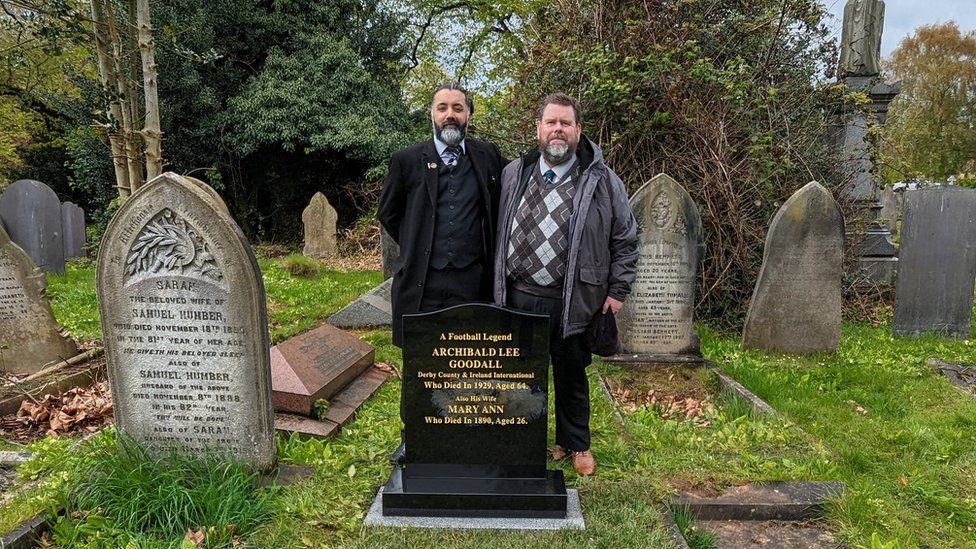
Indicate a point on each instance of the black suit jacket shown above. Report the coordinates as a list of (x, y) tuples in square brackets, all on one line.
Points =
[(407, 212)]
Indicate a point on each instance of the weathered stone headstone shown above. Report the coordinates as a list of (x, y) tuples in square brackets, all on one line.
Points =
[(31, 214), (938, 262), (370, 310), (182, 307), (315, 365), (389, 251), (319, 218), (796, 303), (72, 230), (656, 323), (474, 410), (30, 337)]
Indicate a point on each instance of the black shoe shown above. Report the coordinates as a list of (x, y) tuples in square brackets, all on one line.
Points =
[(399, 455)]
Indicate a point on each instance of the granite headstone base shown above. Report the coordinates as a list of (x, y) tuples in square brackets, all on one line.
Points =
[(572, 521), (443, 494)]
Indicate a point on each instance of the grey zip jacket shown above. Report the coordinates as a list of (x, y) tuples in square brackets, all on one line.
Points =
[(602, 257)]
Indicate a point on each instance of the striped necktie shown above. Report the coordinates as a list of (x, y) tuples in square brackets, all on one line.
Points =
[(451, 155)]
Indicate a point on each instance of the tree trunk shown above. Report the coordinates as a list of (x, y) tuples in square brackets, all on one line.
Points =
[(107, 76), (151, 132), (133, 65), (133, 165)]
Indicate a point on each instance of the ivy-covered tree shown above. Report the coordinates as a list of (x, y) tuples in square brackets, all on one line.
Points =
[(726, 97)]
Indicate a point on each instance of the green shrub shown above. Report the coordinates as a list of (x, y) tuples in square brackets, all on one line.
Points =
[(123, 493), (299, 265)]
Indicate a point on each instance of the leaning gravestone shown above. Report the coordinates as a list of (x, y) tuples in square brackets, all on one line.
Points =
[(182, 307), (72, 230), (370, 310), (938, 262), (315, 365), (31, 213), (796, 303), (474, 412), (656, 323), (319, 218), (30, 338)]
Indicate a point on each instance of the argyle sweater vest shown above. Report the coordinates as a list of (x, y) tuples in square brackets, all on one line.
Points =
[(539, 244)]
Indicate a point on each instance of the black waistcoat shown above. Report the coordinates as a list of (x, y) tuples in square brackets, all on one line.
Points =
[(457, 231)]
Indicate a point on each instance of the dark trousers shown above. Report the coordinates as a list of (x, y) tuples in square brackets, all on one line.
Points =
[(452, 286), (570, 357)]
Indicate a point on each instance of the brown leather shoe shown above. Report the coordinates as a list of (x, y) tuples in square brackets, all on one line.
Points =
[(584, 463)]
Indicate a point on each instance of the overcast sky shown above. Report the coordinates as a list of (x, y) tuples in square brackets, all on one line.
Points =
[(902, 16)]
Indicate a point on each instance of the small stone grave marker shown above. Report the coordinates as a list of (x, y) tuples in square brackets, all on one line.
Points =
[(795, 306), (72, 230), (182, 307), (372, 309), (30, 337), (315, 365), (656, 323), (474, 411), (937, 262), (31, 213), (319, 219)]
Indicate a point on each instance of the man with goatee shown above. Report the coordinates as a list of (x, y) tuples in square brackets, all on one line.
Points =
[(440, 203), (567, 248)]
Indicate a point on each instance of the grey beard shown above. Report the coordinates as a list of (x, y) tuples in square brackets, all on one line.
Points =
[(556, 154), (451, 136)]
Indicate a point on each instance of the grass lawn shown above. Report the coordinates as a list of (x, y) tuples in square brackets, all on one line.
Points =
[(871, 415)]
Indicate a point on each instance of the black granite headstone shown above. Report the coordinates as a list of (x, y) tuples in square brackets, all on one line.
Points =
[(937, 262), (474, 408), (31, 213)]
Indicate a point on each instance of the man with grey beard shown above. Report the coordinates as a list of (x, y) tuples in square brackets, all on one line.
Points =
[(567, 248), (439, 203)]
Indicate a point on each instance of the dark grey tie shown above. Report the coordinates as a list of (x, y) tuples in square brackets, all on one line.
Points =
[(451, 155), (549, 176)]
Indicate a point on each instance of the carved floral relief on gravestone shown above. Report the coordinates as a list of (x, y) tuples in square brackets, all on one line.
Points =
[(30, 337), (658, 316), (31, 214), (937, 263), (796, 303), (182, 306), (319, 219)]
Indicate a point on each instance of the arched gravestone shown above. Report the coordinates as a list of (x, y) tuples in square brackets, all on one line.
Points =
[(796, 303), (319, 219), (31, 214), (656, 323), (72, 230), (30, 337), (938, 263), (182, 306)]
